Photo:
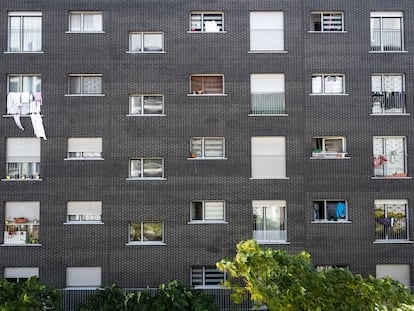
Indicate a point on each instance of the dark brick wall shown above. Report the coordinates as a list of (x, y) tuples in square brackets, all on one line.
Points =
[(186, 116)]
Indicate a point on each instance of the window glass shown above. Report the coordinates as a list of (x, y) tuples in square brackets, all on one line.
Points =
[(152, 42), (269, 220)]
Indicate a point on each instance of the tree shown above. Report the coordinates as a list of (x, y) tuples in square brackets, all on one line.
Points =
[(290, 282), (30, 295)]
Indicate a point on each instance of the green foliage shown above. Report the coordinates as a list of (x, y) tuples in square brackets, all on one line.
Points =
[(171, 297), (29, 295), (290, 282)]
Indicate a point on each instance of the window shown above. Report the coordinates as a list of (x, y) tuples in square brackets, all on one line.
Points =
[(20, 274), (84, 212), (387, 31), (24, 94), (146, 104), (207, 84), (85, 148), (324, 268), (25, 32), (328, 147), (22, 223), (207, 276), (206, 22), (327, 21), (146, 168), (268, 157), (23, 158), (207, 147), (399, 272), (207, 211), (390, 156), (83, 277), (267, 93), (85, 22), (269, 221), (146, 42), (85, 84), (266, 31), (146, 232), (330, 210), (391, 220), (388, 94), (328, 84)]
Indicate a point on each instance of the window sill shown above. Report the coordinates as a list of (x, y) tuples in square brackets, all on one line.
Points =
[(84, 95), (146, 52), (205, 95), (82, 288), (84, 159), (147, 178), (190, 31), (201, 158), (268, 115), (329, 158), (325, 221), (25, 245), (313, 31), (392, 242), (388, 114), (83, 223), (390, 177), (386, 52), (146, 115), (207, 222), (146, 243), (273, 242), (26, 179), (23, 52), (267, 178), (329, 94), (210, 287), (68, 31), (267, 52)]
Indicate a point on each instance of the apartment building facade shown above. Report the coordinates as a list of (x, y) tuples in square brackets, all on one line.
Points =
[(142, 140)]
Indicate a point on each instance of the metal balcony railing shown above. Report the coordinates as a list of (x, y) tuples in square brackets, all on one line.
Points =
[(268, 103), (386, 40), (388, 103), (391, 228)]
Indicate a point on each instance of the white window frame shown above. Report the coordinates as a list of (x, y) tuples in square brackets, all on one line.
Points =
[(84, 212), (23, 155), (386, 164), (142, 169), (206, 23), (320, 84), (205, 91), (82, 78), (330, 215), (202, 151), (204, 205), (269, 236), (22, 32), (142, 98), (325, 16), (83, 278), (262, 22), (143, 47), (22, 226), (204, 273), (142, 240), (381, 16), (82, 15), (270, 151), (20, 274), (324, 147), (84, 148), (389, 232), (36, 86)]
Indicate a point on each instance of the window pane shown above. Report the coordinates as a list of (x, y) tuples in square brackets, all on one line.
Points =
[(75, 85), (135, 169), (32, 29), (152, 104), (92, 22), (213, 276), (197, 211), (14, 84), (152, 167), (214, 210), (197, 276), (135, 41), (196, 147), (135, 106), (212, 85), (135, 232), (92, 85), (31, 84), (152, 231), (195, 23), (152, 42), (333, 84), (74, 22), (316, 84), (213, 147), (15, 33)]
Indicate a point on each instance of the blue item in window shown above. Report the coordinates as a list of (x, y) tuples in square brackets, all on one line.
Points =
[(341, 210)]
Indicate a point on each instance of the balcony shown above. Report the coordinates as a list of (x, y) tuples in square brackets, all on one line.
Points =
[(21, 231), (268, 103), (391, 228), (388, 103), (23, 170), (386, 40)]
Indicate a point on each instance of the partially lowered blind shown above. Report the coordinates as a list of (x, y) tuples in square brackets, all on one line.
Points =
[(23, 150), (84, 207), (85, 144), (83, 277)]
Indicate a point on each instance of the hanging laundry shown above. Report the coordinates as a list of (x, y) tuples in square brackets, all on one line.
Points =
[(38, 101), (37, 123), (13, 103), (387, 222), (17, 121)]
